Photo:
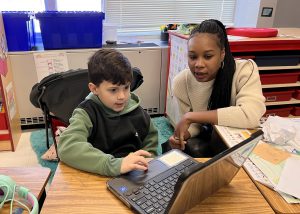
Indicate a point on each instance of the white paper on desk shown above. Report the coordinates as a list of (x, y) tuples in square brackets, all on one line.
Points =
[(289, 178), (282, 131)]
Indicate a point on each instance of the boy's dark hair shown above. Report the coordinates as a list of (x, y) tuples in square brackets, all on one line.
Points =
[(221, 93), (109, 65)]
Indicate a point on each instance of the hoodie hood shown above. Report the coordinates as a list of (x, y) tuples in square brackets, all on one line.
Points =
[(132, 103)]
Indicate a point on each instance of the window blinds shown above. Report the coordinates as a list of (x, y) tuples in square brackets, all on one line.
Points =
[(148, 15)]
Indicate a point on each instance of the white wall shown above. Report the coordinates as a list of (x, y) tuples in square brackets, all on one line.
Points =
[(267, 21), (287, 14), (246, 13)]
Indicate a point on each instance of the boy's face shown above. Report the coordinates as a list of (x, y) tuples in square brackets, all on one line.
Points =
[(112, 96)]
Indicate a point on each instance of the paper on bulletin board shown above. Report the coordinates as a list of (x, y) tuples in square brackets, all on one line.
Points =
[(50, 63), (11, 102)]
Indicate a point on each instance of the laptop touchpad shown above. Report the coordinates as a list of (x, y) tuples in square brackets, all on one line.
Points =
[(139, 176), (157, 166)]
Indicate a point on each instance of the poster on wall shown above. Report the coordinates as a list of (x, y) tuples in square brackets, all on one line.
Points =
[(50, 63), (11, 102), (178, 62)]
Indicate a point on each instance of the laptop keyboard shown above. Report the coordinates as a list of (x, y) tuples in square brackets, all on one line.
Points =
[(154, 196)]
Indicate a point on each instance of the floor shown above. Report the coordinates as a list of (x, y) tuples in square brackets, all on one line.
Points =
[(23, 156)]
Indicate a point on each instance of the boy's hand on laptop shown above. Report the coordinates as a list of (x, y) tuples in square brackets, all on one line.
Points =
[(135, 161)]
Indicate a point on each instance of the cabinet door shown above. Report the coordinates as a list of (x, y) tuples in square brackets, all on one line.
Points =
[(9, 137), (78, 60), (25, 76)]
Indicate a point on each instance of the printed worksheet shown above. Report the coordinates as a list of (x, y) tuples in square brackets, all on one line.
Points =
[(50, 63)]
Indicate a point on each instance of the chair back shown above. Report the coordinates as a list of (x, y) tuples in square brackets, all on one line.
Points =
[(60, 93)]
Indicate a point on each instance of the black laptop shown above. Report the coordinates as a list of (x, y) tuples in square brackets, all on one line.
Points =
[(175, 182)]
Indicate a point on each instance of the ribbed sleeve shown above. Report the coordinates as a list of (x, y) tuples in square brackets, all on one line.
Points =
[(247, 100)]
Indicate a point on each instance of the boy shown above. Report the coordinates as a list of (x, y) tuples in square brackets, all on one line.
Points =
[(109, 133)]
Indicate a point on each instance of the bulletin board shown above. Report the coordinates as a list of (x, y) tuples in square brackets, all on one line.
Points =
[(178, 62)]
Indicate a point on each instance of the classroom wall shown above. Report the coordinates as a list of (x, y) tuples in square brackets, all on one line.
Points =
[(285, 13), (246, 13), (267, 21)]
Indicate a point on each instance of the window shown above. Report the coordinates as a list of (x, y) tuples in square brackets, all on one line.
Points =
[(148, 15), (85, 5), (41, 5), (136, 16), (23, 5)]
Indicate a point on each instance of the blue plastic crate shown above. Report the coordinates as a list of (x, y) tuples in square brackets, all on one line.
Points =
[(70, 30), (19, 30)]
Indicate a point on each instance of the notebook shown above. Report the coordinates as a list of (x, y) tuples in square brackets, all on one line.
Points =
[(175, 182)]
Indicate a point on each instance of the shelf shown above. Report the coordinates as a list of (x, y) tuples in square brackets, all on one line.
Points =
[(4, 135), (281, 85), (266, 68), (292, 101), (292, 116), (5, 131)]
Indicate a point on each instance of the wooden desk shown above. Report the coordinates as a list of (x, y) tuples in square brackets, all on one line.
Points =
[(75, 191), (33, 178), (278, 204)]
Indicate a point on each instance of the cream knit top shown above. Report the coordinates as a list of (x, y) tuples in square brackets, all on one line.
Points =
[(247, 100)]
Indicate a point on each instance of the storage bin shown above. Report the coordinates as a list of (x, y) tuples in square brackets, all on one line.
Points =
[(278, 95), (296, 94), (69, 30), (279, 78), (5, 136), (3, 124), (278, 111), (284, 60), (296, 110), (19, 30)]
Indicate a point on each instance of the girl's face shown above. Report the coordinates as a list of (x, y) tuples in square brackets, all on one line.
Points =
[(204, 56)]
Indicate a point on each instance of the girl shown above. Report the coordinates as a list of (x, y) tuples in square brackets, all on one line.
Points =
[(216, 89)]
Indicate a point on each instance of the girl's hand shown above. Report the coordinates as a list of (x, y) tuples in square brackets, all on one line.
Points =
[(181, 130), (135, 161), (175, 143)]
